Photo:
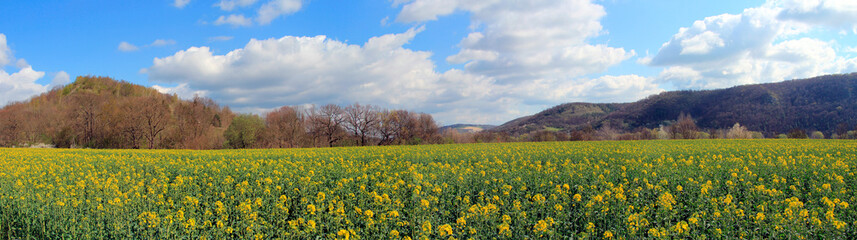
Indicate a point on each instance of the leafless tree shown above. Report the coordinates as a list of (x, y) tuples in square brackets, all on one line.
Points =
[(362, 121), (285, 127), (326, 123), (154, 116)]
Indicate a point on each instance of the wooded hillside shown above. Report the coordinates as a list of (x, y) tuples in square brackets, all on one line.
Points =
[(99, 112), (827, 104)]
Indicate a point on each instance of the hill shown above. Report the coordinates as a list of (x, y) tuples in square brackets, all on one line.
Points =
[(100, 112), (825, 103)]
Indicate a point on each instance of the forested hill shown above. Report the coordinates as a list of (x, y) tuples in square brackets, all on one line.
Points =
[(100, 112), (826, 103)]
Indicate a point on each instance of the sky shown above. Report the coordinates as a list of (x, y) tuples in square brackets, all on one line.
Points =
[(463, 61)]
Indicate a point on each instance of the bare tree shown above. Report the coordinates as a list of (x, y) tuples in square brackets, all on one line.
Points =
[(154, 116), (131, 125), (326, 123), (386, 127), (285, 127), (426, 128), (87, 114), (361, 121), (685, 128)]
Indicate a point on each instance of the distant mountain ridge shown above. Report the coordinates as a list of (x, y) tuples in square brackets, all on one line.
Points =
[(825, 103)]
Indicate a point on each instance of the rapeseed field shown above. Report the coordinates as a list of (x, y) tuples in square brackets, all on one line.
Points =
[(704, 189)]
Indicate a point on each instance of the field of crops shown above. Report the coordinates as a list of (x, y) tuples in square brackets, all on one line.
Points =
[(637, 189)]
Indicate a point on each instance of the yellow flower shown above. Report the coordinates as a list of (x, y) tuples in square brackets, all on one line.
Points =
[(393, 233), (310, 224), (444, 230), (461, 222), (346, 235), (311, 209), (503, 229), (369, 213), (760, 217), (577, 197), (426, 227), (608, 234), (666, 200), (540, 227), (557, 207)]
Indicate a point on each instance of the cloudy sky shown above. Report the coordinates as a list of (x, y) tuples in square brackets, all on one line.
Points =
[(464, 61)]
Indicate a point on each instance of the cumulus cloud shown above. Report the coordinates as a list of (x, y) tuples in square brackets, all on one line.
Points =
[(181, 90), (316, 70), (276, 8), (229, 5), (19, 85), (180, 3), (761, 44), (519, 41), (235, 20), (127, 47)]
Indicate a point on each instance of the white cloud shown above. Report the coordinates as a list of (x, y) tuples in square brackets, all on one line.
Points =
[(220, 38), (5, 52), (20, 85), (127, 47), (840, 14), (520, 41), (317, 70), (523, 56), (701, 44), (181, 90), (162, 42), (276, 8), (756, 46), (180, 3), (236, 20), (60, 78), (229, 5)]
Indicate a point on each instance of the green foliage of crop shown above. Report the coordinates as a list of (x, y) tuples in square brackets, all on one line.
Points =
[(702, 189)]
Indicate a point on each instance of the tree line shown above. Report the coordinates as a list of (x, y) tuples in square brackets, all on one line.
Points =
[(99, 112), (331, 125)]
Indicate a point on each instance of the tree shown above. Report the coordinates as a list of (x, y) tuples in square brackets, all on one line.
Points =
[(817, 135), (797, 133), (738, 131), (87, 116), (284, 127), (684, 128), (154, 117), (244, 131), (387, 128), (132, 125), (10, 124), (326, 123), (362, 121), (426, 128)]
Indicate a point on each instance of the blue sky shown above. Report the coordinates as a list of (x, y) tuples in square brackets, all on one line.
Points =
[(464, 61)]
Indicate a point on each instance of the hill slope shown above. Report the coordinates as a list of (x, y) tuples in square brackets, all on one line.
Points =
[(825, 103), (100, 112)]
